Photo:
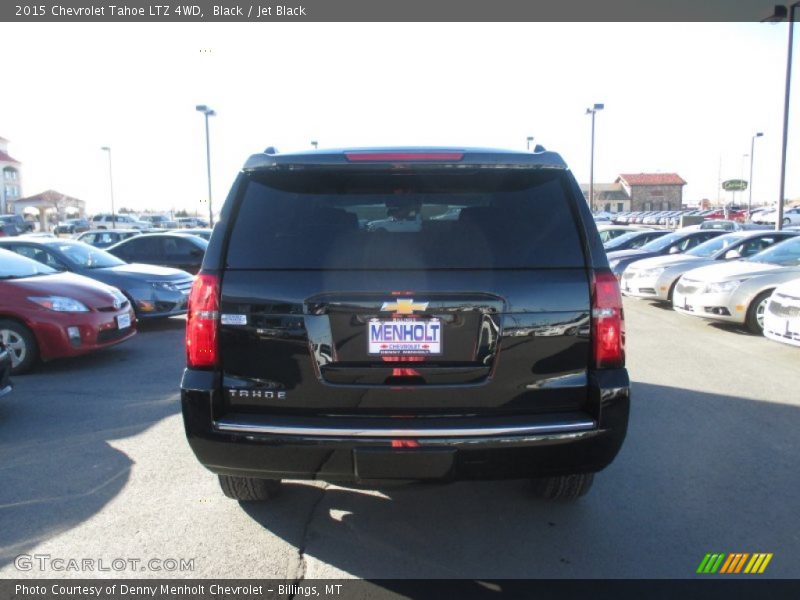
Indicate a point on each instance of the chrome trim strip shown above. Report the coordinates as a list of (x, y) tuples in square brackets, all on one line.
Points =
[(453, 432)]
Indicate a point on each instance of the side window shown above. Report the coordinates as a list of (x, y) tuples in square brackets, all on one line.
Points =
[(650, 238), (178, 249), (148, 249), (128, 252), (89, 239), (694, 240), (689, 243), (39, 255), (51, 260), (756, 245), (26, 251)]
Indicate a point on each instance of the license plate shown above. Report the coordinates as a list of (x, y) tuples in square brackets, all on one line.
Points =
[(404, 336), (123, 321)]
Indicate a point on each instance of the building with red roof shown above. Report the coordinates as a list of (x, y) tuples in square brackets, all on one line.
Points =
[(638, 191)]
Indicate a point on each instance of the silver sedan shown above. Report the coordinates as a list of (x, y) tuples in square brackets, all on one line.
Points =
[(738, 291), (655, 278)]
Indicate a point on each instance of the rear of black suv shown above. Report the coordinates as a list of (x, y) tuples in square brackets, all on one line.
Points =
[(413, 314)]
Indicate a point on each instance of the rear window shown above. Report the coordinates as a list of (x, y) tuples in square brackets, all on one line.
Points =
[(476, 219)]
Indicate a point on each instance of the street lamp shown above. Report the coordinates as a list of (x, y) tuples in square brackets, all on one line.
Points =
[(208, 113), (778, 15), (314, 143), (107, 149), (592, 111), (752, 158), (530, 139)]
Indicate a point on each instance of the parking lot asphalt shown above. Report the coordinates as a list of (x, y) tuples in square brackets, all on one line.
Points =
[(94, 465)]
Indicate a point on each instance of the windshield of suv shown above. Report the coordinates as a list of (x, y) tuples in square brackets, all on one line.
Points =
[(662, 242), (786, 254), (430, 219), (714, 245), (14, 266), (86, 256)]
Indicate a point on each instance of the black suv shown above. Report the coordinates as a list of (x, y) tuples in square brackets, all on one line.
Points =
[(405, 314)]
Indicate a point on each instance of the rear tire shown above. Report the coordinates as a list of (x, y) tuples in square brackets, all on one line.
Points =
[(563, 487), (755, 313), (249, 489), (21, 344)]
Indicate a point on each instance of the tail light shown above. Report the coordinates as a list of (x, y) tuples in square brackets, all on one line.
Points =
[(608, 324), (202, 322)]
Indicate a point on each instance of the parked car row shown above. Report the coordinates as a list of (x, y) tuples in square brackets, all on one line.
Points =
[(105, 221), (747, 277), (47, 314), (731, 214), (62, 297)]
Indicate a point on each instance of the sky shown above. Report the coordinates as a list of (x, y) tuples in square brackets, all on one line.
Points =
[(679, 97)]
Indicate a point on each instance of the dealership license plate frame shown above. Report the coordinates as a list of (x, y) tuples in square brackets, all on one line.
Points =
[(425, 347), (126, 319)]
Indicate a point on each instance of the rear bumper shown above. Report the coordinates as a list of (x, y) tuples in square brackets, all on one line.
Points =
[(361, 449)]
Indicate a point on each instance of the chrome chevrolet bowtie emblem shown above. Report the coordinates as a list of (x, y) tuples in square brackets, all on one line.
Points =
[(404, 306)]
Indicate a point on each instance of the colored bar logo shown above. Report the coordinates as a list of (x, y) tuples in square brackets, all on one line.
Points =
[(737, 562)]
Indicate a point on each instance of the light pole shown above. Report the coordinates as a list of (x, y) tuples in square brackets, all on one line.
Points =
[(530, 139), (752, 158), (779, 15), (592, 111), (208, 113), (314, 143), (107, 149)]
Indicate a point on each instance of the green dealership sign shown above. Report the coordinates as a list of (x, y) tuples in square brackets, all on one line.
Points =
[(734, 185)]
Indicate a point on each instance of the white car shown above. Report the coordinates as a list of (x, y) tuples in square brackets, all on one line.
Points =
[(105, 221), (760, 213), (791, 216), (782, 315), (738, 291)]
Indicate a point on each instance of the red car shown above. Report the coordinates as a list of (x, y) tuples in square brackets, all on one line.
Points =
[(739, 216), (45, 314)]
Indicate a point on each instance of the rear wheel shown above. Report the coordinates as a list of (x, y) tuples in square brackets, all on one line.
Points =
[(787, 221), (21, 344), (563, 487), (249, 488), (755, 313)]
